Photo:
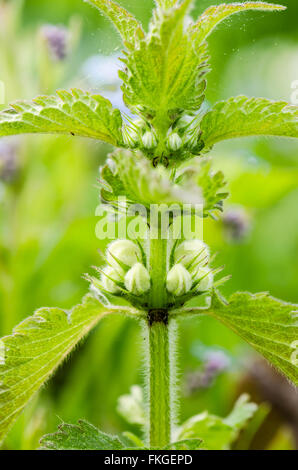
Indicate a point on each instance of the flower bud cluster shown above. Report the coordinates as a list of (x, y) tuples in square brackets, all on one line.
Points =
[(125, 270), (190, 271), (126, 273), (182, 137), (139, 134)]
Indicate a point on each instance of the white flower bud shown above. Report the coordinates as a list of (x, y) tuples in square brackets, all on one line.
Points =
[(137, 280), (185, 121), (125, 251), (195, 251), (130, 137), (206, 277), (139, 123), (179, 280), (174, 141), (108, 277), (149, 140)]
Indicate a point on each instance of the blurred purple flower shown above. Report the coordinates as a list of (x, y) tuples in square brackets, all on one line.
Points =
[(57, 38), (215, 363), (9, 161), (237, 224)]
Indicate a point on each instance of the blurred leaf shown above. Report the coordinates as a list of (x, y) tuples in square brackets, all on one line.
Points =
[(246, 436), (216, 435), (216, 14), (166, 72), (262, 189), (83, 436), (241, 116), (141, 184), (127, 25), (212, 184), (241, 413), (268, 324), (76, 113), (219, 433), (36, 348)]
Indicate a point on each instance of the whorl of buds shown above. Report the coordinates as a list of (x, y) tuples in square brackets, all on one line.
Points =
[(179, 280), (137, 280), (126, 273), (123, 253)]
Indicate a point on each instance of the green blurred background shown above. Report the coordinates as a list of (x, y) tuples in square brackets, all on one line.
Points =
[(49, 194)]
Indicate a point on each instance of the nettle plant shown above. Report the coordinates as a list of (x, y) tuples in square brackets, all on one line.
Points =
[(153, 280)]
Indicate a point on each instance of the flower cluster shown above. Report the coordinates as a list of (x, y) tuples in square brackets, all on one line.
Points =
[(181, 137), (190, 271), (126, 271)]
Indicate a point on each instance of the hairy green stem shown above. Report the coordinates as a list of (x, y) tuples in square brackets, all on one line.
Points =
[(159, 385), (158, 272), (160, 358)]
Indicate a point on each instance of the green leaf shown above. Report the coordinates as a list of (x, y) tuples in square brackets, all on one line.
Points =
[(268, 324), (81, 436), (140, 183), (166, 72), (127, 25), (76, 113), (133, 440), (241, 116), (216, 14), (36, 348), (211, 184), (219, 433), (216, 435), (186, 444)]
